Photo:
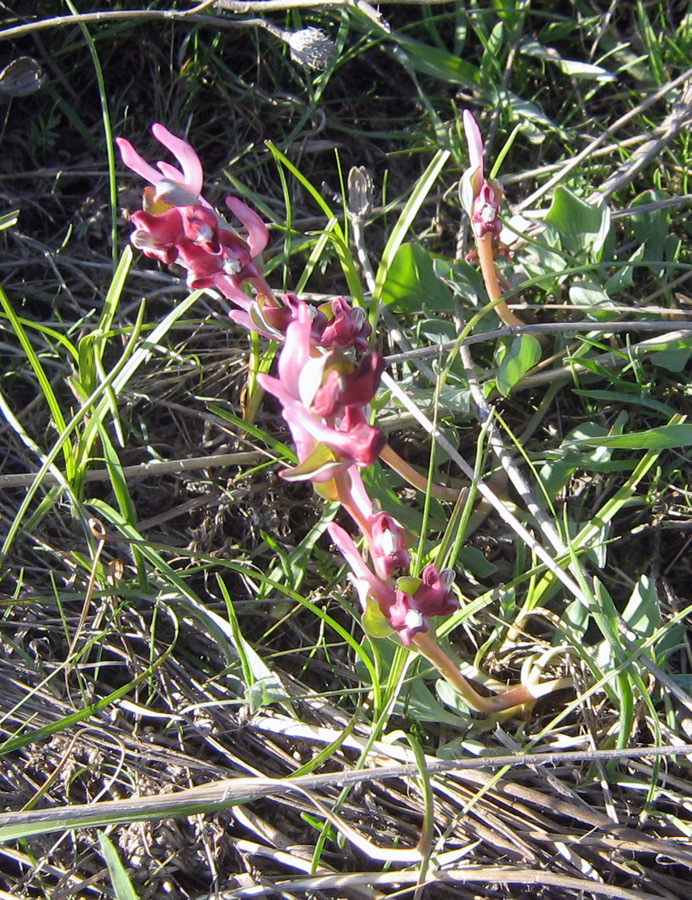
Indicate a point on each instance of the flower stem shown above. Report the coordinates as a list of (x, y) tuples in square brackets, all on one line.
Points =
[(486, 257), (519, 696), (414, 478)]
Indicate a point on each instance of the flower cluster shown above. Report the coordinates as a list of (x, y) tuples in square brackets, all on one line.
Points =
[(406, 605), (324, 398), (177, 225), (325, 381)]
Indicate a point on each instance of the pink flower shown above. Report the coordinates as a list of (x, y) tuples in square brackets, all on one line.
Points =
[(341, 389), (190, 175), (387, 538), (479, 198), (324, 411), (407, 607), (339, 326), (268, 316), (177, 224), (387, 546)]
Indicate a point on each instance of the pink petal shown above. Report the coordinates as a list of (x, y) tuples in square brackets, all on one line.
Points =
[(193, 175), (474, 140), (257, 234), (383, 594), (296, 351), (134, 161), (226, 285), (242, 318), (360, 497)]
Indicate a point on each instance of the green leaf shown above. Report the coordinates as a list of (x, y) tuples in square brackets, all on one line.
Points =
[(374, 621), (439, 63), (436, 331), (122, 886), (590, 294), (575, 620), (262, 686), (522, 355), (665, 437), (572, 67), (472, 558), (672, 360), (563, 462), (412, 283), (528, 115), (633, 397), (404, 222), (9, 220), (642, 613), (582, 227), (651, 228)]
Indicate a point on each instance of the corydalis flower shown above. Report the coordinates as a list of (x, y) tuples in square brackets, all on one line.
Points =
[(176, 223), (337, 325), (408, 606), (386, 537), (324, 399), (479, 197)]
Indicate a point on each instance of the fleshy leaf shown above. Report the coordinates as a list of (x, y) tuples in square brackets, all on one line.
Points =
[(582, 226), (522, 355)]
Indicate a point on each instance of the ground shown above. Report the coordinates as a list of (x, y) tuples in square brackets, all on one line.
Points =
[(192, 704)]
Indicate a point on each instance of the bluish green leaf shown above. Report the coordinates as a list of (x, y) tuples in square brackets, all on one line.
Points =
[(672, 360), (436, 331), (472, 559), (575, 619), (592, 295), (574, 68), (651, 228), (522, 355), (643, 613), (412, 283), (582, 226)]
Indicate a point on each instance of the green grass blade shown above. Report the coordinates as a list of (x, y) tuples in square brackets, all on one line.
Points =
[(42, 378), (398, 233), (339, 238), (122, 886), (129, 363)]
